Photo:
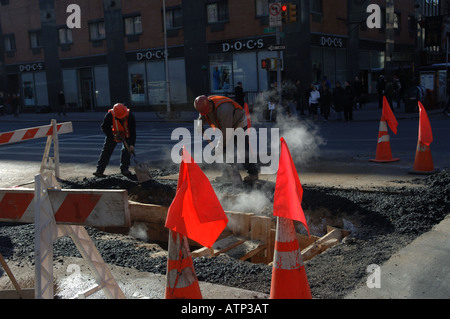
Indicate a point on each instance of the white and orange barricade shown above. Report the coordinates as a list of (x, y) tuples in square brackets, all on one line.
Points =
[(51, 132), (56, 213), (181, 280), (289, 280)]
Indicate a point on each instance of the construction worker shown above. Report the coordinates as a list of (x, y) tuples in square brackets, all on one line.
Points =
[(222, 112), (119, 126)]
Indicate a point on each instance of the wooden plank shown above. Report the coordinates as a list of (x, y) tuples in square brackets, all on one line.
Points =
[(219, 247), (244, 249), (254, 252), (316, 248)]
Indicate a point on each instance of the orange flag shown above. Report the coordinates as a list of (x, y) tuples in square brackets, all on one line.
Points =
[(247, 114), (288, 190), (425, 133), (195, 211), (389, 116)]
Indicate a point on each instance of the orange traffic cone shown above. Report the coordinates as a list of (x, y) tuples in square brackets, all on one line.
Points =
[(384, 153), (289, 279), (181, 280), (423, 163)]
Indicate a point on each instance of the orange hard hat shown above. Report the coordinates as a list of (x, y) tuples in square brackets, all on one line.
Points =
[(120, 111), (202, 105)]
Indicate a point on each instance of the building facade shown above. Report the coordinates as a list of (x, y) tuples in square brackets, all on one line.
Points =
[(118, 53)]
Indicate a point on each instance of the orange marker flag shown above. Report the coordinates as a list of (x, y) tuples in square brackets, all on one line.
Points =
[(196, 211), (247, 114), (425, 133), (389, 116), (288, 190)]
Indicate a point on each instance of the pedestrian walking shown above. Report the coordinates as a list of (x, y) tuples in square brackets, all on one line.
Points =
[(314, 100), (325, 102), (61, 103), (119, 126), (349, 100), (223, 113), (339, 99)]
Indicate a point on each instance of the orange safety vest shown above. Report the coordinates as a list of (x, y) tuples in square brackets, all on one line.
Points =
[(120, 127), (218, 101)]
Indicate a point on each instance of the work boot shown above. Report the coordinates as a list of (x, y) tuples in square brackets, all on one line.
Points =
[(126, 172), (99, 174)]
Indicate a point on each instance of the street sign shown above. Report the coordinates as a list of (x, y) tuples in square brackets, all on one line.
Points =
[(277, 48), (275, 15)]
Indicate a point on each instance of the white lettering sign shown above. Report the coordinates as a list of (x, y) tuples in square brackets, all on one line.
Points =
[(31, 67), (240, 45), (331, 42), (149, 55), (374, 19)]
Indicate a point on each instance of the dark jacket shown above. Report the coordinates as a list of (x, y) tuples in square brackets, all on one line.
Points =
[(339, 98)]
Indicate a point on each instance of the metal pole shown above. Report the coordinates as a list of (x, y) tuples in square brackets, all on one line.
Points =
[(280, 100), (166, 57)]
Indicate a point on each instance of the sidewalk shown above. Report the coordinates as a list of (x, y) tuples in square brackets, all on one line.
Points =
[(370, 112)]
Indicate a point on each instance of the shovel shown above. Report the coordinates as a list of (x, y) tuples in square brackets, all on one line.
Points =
[(142, 170)]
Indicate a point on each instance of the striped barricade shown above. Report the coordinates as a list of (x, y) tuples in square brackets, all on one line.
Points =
[(51, 132), (34, 133), (56, 213)]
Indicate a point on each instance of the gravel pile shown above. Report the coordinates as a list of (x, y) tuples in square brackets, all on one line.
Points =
[(382, 222)]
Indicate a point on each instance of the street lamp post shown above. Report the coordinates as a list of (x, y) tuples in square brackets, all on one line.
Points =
[(166, 57)]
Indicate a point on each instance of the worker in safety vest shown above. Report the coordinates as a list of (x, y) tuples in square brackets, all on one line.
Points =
[(221, 112), (119, 125)]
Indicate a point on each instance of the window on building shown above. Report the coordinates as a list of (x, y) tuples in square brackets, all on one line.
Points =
[(36, 39), (174, 18), (217, 11), (97, 31), (9, 42), (133, 25), (315, 6), (262, 8), (65, 36), (397, 21)]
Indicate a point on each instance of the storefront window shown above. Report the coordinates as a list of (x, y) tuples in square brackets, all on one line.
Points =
[(28, 89), (34, 88), (177, 77), (221, 75), (137, 82), (70, 86), (244, 70), (156, 82), (102, 93)]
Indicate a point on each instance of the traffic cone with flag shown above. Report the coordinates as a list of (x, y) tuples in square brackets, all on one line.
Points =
[(289, 280), (384, 153), (423, 163), (181, 280), (197, 214)]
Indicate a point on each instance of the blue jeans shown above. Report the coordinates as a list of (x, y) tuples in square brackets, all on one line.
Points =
[(105, 156)]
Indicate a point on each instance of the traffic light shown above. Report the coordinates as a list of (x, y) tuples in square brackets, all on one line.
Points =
[(285, 13), (265, 64), (292, 12)]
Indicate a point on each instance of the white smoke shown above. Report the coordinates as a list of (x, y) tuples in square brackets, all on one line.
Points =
[(139, 231)]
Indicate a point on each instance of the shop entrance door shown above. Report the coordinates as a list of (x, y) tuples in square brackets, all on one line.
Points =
[(86, 89)]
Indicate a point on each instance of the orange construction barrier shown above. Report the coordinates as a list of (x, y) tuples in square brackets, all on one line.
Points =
[(181, 280), (289, 279)]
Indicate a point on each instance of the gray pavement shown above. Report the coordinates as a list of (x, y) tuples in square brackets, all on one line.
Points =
[(420, 270)]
